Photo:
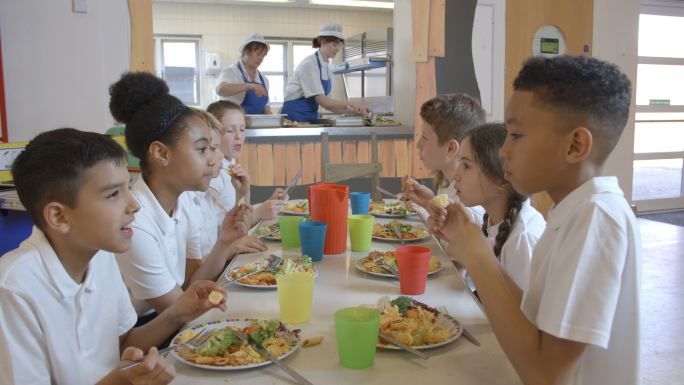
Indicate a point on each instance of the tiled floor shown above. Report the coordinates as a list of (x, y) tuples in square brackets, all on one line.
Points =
[(662, 303)]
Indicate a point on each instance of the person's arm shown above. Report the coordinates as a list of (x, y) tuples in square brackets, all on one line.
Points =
[(267, 110), (538, 357), (154, 369), (340, 107)]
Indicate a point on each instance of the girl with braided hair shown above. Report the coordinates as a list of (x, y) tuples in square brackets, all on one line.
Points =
[(512, 226)]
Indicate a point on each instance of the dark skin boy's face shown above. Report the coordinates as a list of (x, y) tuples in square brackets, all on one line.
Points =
[(535, 148)]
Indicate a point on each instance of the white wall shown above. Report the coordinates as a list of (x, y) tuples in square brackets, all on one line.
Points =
[(615, 40), (223, 27), (58, 65)]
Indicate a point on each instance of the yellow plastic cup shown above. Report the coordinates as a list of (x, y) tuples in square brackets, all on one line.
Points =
[(295, 297)]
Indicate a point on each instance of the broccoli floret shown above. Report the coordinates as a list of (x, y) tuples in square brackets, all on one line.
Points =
[(403, 303), (265, 331), (218, 343)]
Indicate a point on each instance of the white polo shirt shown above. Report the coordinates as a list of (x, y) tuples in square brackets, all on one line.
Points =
[(223, 185), (52, 329), (209, 213), (232, 75), (155, 263), (516, 253), (306, 81), (584, 282)]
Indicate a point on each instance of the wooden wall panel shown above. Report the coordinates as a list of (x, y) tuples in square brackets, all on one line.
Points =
[(308, 163), (142, 41), (386, 158), (349, 151), (335, 151), (265, 162), (292, 161), (402, 159), (420, 12), (279, 154), (363, 152), (317, 161), (436, 36), (244, 158), (410, 146)]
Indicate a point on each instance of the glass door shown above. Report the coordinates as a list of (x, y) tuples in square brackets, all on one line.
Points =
[(659, 121)]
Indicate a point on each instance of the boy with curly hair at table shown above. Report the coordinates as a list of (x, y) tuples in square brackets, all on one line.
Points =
[(577, 321), (66, 315)]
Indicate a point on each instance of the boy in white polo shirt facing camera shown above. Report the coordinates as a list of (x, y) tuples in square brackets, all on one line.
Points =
[(578, 319), (65, 314)]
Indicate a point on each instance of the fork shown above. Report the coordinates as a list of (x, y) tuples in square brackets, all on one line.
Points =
[(261, 350), (193, 343), (397, 232), (466, 333)]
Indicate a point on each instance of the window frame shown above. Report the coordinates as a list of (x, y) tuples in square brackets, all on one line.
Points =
[(288, 60), (160, 39)]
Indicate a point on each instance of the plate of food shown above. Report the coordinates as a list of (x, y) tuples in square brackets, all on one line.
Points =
[(391, 208), (266, 279), (409, 232), (296, 207), (415, 324), (372, 263), (269, 232), (224, 351)]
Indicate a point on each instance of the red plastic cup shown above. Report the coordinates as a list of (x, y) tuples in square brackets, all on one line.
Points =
[(413, 262)]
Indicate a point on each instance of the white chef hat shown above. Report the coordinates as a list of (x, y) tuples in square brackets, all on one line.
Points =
[(254, 38), (331, 29)]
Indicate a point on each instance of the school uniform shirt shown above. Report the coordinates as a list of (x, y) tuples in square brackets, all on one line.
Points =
[(584, 282), (306, 81), (224, 187), (155, 263), (516, 252), (54, 330), (232, 74), (209, 214)]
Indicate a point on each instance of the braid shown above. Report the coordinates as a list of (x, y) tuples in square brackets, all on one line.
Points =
[(516, 201), (485, 223)]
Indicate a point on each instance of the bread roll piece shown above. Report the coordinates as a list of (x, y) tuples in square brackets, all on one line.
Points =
[(441, 200), (215, 297), (313, 341)]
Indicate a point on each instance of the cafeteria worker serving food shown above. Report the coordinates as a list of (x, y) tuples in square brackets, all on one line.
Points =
[(242, 83), (312, 81)]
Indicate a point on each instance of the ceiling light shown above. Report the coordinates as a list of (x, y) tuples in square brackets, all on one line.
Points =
[(355, 3), (267, 1)]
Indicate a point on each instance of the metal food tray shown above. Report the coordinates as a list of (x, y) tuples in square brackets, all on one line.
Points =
[(265, 121)]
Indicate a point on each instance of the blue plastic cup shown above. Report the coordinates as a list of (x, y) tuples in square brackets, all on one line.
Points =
[(360, 202), (312, 238)]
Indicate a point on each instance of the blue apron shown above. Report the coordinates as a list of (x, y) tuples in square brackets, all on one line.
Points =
[(306, 109), (252, 103)]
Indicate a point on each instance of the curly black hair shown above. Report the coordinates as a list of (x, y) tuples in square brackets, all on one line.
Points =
[(595, 92), (142, 101), (52, 167)]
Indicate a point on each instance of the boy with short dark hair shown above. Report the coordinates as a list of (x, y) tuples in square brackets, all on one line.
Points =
[(66, 314), (578, 319)]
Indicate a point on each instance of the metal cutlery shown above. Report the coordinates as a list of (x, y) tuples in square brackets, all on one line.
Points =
[(403, 346), (272, 265), (260, 349), (293, 182), (397, 232), (193, 343), (466, 333), (399, 196)]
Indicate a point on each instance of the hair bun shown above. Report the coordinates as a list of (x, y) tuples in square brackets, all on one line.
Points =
[(133, 91)]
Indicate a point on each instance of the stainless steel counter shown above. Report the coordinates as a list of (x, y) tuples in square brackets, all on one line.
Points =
[(348, 133)]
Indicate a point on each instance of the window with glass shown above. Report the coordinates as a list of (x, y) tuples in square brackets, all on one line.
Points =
[(659, 119), (177, 62), (279, 65)]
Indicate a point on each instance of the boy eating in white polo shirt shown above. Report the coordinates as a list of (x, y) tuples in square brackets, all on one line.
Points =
[(66, 314), (578, 319)]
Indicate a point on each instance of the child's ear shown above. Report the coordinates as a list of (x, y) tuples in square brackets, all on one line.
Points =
[(581, 143), (452, 147), (56, 218), (159, 153)]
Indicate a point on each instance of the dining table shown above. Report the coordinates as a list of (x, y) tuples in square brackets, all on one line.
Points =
[(340, 284)]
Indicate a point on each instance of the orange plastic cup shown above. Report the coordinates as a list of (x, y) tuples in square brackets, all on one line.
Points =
[(413, 262)]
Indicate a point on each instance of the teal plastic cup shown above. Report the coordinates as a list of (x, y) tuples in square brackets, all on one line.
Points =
[(361, 231), (289, 230), (356, 329)]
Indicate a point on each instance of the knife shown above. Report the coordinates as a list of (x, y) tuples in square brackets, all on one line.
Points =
[(395, 196), (293, 182), (260, 349), (466, 333), (403, 346)]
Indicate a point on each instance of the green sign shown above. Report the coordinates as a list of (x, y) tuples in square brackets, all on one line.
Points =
[(659, 102)]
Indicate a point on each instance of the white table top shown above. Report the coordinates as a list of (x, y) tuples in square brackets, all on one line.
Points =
[(339, 285)]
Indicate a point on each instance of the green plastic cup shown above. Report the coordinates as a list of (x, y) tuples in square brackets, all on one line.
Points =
[(289, 230), (361, 231), (356, 329)]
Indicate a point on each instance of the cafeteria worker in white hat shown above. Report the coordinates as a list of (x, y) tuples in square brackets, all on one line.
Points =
[(312, 81), (242, 83)]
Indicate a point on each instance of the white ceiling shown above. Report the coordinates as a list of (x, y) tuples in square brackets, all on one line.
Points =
[(293, 3)]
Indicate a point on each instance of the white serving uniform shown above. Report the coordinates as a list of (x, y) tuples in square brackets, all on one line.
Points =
[(516, 252), (232, 74), (54, 330), (155, 263), (584, 282)]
